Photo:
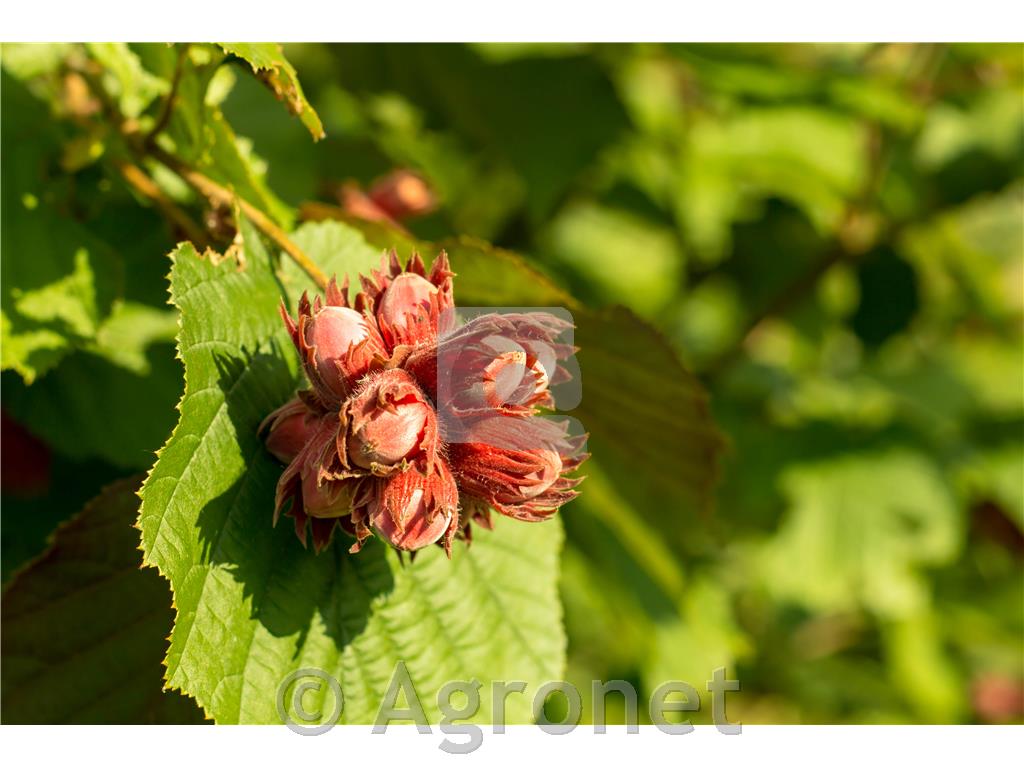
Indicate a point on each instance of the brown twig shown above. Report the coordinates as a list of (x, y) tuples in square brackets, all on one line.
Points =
[(172, 95), (221, 195), (138, 180), (206, 186)]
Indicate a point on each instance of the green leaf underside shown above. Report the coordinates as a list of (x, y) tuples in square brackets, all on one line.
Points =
[(252, 604), (269, 63), (84, 627), (647, 416)]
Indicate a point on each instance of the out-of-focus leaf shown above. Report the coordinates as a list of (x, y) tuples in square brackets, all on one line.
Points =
[(200, 135), (85, 628), (877, 99), (995, 475), (704, 637), (59, 281), (597, 609), (991, 122), (548, 144), (652, 90), (858, 531), (592, 241), (124, 76), (974, 252), (922, 669), (809, 156), (943, 390), (610, 530), (708, 319), (596, 604), (270, 66), (131, 329), (756, 71), (984, 610), (620, 578), (993, 371), (93, 406), (27, 60)]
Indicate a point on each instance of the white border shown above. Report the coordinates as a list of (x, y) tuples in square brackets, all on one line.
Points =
[(535, 20), (516, 20), (790, 746)]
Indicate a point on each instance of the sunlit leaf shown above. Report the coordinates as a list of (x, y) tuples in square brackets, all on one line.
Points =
[(252, 604), (270, 65), (858, 532), (59, 281), (132, 85)]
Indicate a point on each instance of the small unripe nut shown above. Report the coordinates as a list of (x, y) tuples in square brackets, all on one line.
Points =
[(388, 421), (413, 508), (408, 310), (403, 194), (289, 435), (389, 436), (415, 531), (329, 498), (343, 347)]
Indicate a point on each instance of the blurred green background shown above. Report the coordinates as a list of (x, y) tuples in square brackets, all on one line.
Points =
[(830, 236)]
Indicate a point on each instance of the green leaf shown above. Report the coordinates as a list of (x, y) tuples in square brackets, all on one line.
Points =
[(200, 135), (129, 332), (252, 604), (922, 669), (994, 474), (590, 239), (971, 254), (809, 156), (270, 65), (859, 530), (85, 628), (91, 406), (134, 87), (704, 637), (59, 281), (338, 250), (28, 60), (990, 122), (527, 111)]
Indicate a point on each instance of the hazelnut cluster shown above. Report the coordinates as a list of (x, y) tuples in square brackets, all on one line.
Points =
[(415, 427)]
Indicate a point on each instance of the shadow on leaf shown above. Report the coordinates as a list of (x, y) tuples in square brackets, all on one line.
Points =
[(287, 585)]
